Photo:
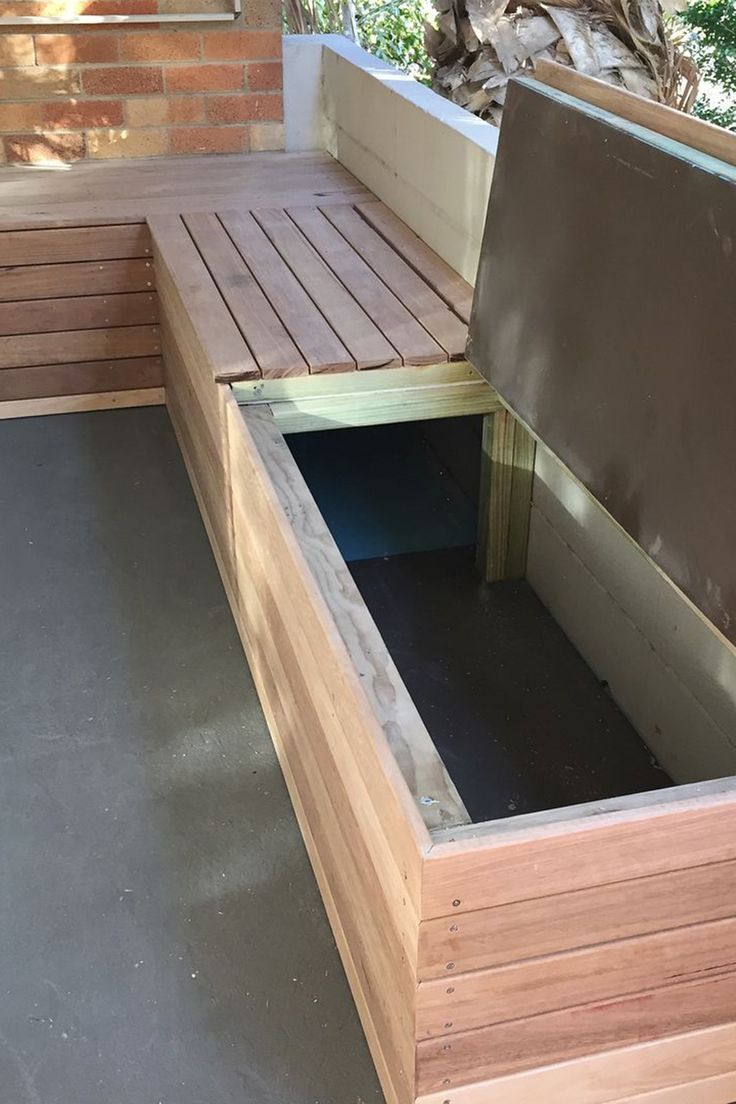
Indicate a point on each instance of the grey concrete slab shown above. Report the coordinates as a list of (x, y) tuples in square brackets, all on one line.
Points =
[(162, 940)]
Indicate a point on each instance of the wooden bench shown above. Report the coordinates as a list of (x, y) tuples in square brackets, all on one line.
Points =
[(577, 956)]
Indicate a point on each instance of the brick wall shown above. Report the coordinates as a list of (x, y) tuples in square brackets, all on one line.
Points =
[(145, 90)]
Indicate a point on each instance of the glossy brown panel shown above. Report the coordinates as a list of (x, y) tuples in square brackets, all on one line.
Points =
[(605, 315)]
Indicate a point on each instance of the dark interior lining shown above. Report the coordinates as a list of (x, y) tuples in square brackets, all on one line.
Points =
[(520, 720)]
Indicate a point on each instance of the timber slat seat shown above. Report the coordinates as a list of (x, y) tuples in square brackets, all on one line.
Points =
[(313, 289)]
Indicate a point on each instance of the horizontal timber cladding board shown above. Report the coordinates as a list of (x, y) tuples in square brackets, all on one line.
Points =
[(538, 985), (408, 743), (205, 311), (77, 243), (81, 278), (517, 1045), (90, 377), (548, 925), (527, 863), (25, 350), (74, 404), (678, 1069), (83, 312)]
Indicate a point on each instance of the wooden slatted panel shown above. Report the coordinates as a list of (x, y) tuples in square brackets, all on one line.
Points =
[(89, 377), (451, 287), (82, 312), (477, 940), (79, 345), (507, 1048), (318, 343), (410, 340), (446, 328), (83, 278), (78, 243), (274, 351), (360, 335), (228, 354)]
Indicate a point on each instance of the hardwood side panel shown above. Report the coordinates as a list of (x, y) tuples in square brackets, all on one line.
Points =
[(454, 945), (552, 982), (561, 857), (691, 1068), (77, 243), (93, 377), (26, 350), (83, 278), (83, 312), (507, 1048)]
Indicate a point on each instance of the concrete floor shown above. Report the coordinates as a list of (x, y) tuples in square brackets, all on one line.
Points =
[(162, 940)]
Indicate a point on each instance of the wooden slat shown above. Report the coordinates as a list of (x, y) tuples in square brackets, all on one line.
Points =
[(274, 351), (549, 925), (316, 341), (578, 977), (496, 869), (696, 133), (561, 1036), (83, 312), (359, 334), (356, 383), (446, 328), (690, 1068), (456, 292), (91, 377), (206, 312), (25, 350), (78, 243), (398, 325), (75, 404), (85, 278), (507, 474)]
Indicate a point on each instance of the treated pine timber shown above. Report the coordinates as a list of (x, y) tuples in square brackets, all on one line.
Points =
[(686, 1068), (356, 384), (81, 278), (123, 342), (478, 940), (507, 475), (78, 243), (696, 133), (87, 378), (74, 404), (560, 1036)]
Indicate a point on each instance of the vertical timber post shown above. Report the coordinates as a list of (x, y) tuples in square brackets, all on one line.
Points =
[(507, 473)]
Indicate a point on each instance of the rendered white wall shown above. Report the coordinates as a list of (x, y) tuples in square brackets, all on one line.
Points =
[(432, 163)]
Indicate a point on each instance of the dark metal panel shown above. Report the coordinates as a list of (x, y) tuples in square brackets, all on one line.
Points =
[(605, 316)]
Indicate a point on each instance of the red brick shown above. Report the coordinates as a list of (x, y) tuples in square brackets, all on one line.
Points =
[(15, 117), (81, 114), (160, 46), (33, 149), (244, 109), (215, 139), (204, 78), (122, 81), (61, 49), (38, 82), (16, 50), (265, 76), (242, 45), (118, 7), (158, 110)]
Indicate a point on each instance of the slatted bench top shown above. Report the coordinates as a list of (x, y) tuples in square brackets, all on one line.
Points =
[(311, 289)]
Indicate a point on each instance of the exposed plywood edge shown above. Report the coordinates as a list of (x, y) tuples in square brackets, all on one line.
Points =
[(643, 1074), (74, 404), (697, 133)]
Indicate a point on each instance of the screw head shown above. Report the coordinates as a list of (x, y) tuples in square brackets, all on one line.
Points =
[(450, 966), (456, 903)]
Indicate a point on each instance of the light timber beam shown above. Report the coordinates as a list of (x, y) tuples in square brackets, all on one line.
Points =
[(507, 473)]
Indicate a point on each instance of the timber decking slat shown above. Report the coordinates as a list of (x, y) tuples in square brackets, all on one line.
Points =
[(81, 312), (80, 278), (449, 285), (89, 377), (27, 350), (357, 331), (268, 340), (319, 345), (411, 341), (78, 243), (435, 316)]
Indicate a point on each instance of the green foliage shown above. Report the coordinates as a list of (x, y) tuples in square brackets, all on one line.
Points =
[(394, 31), (710, 27)]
